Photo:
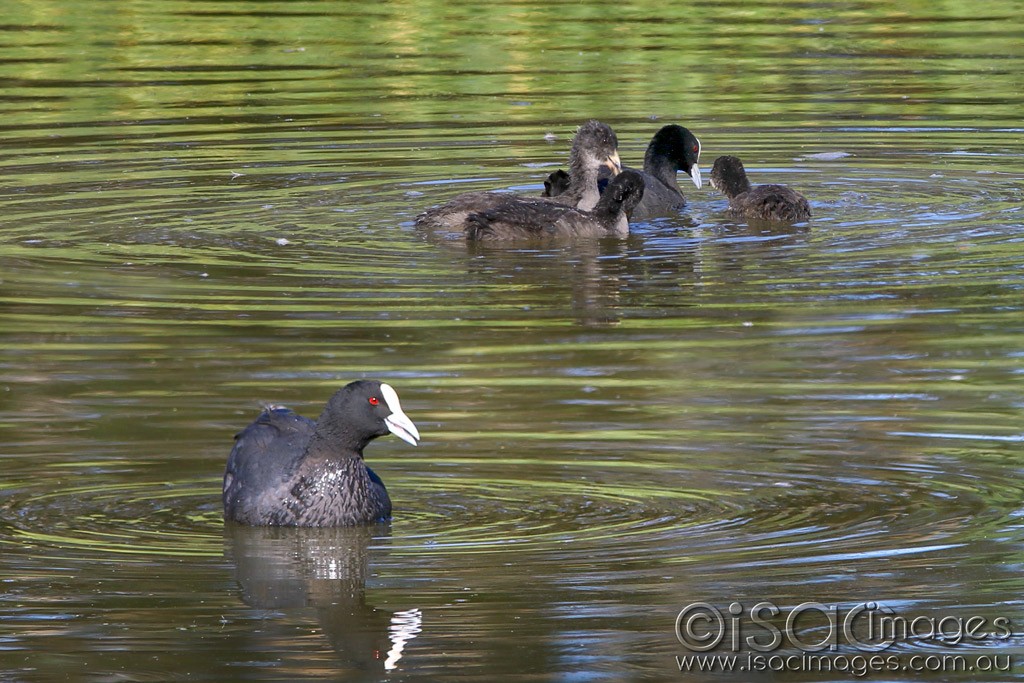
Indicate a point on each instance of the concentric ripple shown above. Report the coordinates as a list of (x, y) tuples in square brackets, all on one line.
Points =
[(180, 519), (508, 514), (870, 513)]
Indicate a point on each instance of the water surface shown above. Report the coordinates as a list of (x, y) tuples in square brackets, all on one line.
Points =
[(208, 206)]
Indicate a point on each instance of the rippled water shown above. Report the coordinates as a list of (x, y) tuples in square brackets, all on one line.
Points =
[(208, 205)]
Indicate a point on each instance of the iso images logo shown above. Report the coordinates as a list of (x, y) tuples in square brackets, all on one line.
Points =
[(868, 629), (814, 626)]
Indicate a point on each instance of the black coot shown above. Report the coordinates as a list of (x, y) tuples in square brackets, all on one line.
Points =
[(776, 203), (527, 220), (595, 146), (288, 470), (672, 149)]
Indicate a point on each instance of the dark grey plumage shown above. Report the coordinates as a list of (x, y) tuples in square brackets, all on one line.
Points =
[(555, 184), (672, 149), (288, 470), (595, 146), (526, 220), (776, 203)]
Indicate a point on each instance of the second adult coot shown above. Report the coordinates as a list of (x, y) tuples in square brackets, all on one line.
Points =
[(672, 149)]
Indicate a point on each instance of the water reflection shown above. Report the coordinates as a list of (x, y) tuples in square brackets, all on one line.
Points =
[(583, 277), (326, 569), (597, 282)]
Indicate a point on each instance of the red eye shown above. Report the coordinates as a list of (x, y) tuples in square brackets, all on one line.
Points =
[(373, 401), (696, 148)]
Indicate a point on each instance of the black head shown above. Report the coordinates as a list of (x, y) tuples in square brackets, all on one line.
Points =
[(729, 177), (556, 184), (678, 146), (595, 145), (366, 409), (623, 193)]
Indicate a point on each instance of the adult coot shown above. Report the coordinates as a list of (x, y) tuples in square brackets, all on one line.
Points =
[(518, 219), (760, 202), (672, 149), (288, 470), (595, 146)]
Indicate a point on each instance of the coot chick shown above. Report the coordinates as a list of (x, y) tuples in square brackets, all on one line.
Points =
[(555, 184), (288, 470), (595, 146), (672, 149), (761, 202), (530, 220)]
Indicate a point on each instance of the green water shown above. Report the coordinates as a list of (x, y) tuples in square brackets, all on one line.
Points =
[(208, 205)]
